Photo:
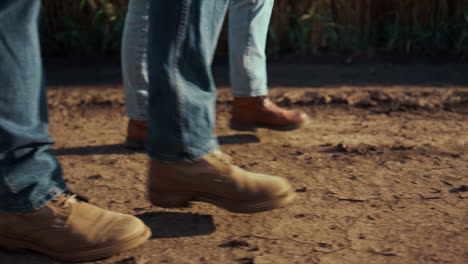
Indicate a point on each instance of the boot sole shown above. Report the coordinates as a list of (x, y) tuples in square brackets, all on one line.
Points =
[(183, 199), (78, 255), (252, 127)]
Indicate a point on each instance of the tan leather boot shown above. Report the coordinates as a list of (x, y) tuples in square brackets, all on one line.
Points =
[(252, 112), (213, 179), (137, 132), (69, 229)]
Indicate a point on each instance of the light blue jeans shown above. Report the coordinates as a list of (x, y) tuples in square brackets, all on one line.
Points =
[(182, 40), (248, 28), (30, 176), (182, 97)]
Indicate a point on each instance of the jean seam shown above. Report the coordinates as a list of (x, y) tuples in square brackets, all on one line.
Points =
[(180, 38), (138, 60), (130, 87), (141, 52), (248, 48)]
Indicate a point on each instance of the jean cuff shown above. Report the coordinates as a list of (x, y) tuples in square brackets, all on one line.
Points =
[(190, 154), (250, 93), (137, 116), (39, 203)]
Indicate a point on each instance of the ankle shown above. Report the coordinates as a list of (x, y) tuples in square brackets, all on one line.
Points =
[(138, 123)]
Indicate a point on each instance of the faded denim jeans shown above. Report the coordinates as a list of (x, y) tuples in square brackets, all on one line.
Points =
[(248, 27), (30, 176), (181, 95), (182, 98)]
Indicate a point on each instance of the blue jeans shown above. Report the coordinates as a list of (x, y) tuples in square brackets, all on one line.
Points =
[(181, 90), (30, 176), (248, 28), (182, 97)]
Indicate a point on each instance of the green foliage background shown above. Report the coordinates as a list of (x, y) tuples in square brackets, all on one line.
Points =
[(302, 27)]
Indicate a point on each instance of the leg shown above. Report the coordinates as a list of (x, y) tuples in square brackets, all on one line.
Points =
[(248, 28), (135, 71), (134, 59), (186, 164), (34, 212), (182, 41), (30, 176)]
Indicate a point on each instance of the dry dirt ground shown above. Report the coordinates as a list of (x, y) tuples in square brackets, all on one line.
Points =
[(381, 171)]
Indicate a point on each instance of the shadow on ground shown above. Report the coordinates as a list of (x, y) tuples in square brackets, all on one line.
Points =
[(121, 149), (175, 224)]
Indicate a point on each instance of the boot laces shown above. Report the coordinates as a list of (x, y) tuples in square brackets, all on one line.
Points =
[(71, 198), (222, 157)]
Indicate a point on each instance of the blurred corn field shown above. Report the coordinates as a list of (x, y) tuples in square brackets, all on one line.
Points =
[(302, 27), (82, 27)]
